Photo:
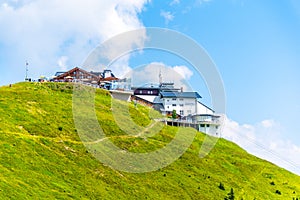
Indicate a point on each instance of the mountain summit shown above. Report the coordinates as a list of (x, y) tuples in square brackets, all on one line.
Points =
[(42, 155)]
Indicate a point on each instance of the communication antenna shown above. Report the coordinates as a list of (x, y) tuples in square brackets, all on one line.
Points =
[(160, 77)]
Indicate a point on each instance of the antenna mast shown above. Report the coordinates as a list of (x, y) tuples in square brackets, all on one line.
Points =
[(26, 76), (160, 77)]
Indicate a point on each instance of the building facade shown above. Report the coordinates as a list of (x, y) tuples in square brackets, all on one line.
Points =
[(77, 75), (184, 103)]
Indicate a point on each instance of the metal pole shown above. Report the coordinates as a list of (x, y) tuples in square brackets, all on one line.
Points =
[(26, 77)]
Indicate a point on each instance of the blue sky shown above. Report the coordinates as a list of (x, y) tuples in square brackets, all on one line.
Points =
[(255, 45)]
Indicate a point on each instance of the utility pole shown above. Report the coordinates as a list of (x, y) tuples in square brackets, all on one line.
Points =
[(26, 77)]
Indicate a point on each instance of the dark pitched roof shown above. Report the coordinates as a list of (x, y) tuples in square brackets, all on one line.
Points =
[(180, 95), (76, 69), (59, 73)]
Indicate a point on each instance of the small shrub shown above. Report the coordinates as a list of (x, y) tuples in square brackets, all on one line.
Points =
[(278, 192), (221, 186), (174, 114), (272, 183), (230, 195), (60, 128)]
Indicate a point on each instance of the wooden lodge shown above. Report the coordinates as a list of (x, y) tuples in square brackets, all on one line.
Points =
[(105, 79), (78, 75)]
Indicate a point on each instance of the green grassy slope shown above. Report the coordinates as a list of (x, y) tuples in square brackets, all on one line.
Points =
[(41, 156)]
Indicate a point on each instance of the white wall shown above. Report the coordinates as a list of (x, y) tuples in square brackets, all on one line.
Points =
[(201, 109), (211, 129), (187, 105)]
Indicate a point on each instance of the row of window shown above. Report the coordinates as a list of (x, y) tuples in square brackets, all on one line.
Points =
[(174, 105), (203, 125), (148, 92), (181, 105), (174, 99), (207, 125)]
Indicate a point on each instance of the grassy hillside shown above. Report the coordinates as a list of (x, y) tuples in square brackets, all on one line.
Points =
[(42, 156)]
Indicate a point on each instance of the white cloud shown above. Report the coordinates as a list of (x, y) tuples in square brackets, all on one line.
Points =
[(184, 71), (265, 140), (44, 31), (194, 4), (150, 74), (62, 63), (202, 1), (174, 2), (168, 16), (120, 66), (268, 123)]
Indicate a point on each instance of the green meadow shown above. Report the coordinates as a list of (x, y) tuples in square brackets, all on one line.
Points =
[(42, 155)]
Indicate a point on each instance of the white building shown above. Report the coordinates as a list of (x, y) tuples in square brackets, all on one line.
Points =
[(208, 123), (189, 108), (184, 103)]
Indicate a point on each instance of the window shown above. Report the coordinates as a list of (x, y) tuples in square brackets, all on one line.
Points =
[(181, 112), (207, 125), (174, 99), (180, 99), (173, 104), (181, 105), (202, 125)]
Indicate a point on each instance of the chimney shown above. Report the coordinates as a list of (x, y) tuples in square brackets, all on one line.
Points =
[(181, 89)]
